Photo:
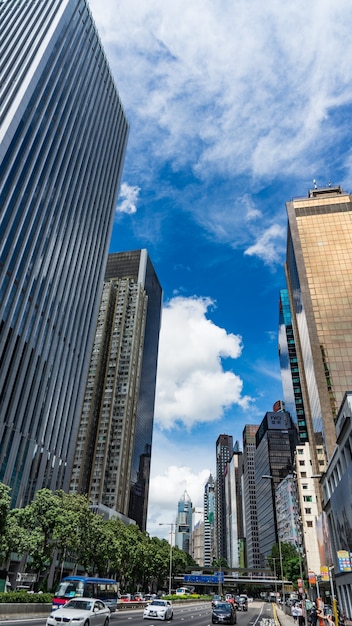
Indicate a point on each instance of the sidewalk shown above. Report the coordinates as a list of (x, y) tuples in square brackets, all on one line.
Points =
[(284, 619)]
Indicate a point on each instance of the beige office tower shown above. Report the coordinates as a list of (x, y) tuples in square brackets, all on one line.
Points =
[(319, 279)]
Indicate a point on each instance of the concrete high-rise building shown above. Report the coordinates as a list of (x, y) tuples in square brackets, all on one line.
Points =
[(276, 440), (197, 536), (319, 280), (234, 509), (63, 136), (224, 452), (209, 522), (250, 498), (113, 452), (288, 512), (184, 523)]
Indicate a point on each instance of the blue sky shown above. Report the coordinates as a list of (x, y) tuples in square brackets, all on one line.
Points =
[(234, 106)]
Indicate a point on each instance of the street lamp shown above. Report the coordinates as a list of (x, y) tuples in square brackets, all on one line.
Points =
[(171, 524), (269, 477), (275, 559)]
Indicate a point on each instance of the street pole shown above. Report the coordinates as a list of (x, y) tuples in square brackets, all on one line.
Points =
[(333, 599), (171, 524), (269, 477), (282, 571), (170, 569), (273, 559)]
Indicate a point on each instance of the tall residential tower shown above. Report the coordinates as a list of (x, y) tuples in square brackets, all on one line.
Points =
[(63, 136), (113, 453)]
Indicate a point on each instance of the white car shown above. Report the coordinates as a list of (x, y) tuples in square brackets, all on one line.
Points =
[(158, 609), (81, 612)]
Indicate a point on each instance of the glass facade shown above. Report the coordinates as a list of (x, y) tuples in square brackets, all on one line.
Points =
[(63, 136), (234, 513), (184, 523), (319, 261), (209, 522), (291, 382), (224, 452), (276, 440)]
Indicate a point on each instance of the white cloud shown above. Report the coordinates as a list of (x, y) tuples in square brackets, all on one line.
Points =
[(229, 87), (128, 199), (192, 385), (269, 245), (169, 481), (245, 91)]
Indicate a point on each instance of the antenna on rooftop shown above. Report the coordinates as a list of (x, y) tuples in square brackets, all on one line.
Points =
[(315, 184)]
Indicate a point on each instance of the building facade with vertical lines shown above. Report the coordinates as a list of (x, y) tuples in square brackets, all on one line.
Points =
[(113, 453), (319, 280), (63, 135), (209, 522), (251, 531), (224, 452)]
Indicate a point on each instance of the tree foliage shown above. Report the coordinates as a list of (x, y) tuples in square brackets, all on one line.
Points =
[(292, 562), (63, 527)]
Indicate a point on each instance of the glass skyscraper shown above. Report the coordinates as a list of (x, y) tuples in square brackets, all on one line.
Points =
[(276, 441), (209, 522), (224, 452), (291, 382), (63, 136), (184, 523), (319, 280)]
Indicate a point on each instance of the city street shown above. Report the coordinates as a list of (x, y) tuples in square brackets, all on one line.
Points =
[(259, 614)]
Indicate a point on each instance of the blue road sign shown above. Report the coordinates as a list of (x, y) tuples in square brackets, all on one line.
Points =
[(218, 577)]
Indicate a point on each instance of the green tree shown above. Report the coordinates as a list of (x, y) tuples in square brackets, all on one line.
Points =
[(5, 500), (157, 563), (112, 546), (220, 563), (39, 519), (290, 559), (77, 529), (63, 526)]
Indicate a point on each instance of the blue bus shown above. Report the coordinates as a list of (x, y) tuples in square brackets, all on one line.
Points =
[(105, 589)]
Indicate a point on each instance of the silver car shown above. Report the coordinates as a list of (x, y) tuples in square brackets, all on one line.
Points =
[(80, 612), (158, 609)]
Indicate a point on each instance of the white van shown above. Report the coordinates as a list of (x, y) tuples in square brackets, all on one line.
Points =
[(183, 591)]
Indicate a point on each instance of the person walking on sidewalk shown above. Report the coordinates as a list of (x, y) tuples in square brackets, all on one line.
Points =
[(300, 616), (294, 612), (313, 617)]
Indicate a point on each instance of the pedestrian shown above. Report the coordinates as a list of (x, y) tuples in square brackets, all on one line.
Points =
[(294, 612), (313, 617), (300, 615)]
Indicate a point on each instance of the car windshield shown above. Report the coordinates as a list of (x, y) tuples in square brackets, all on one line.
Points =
[(82, 605), (157, 603), (223, 606)]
